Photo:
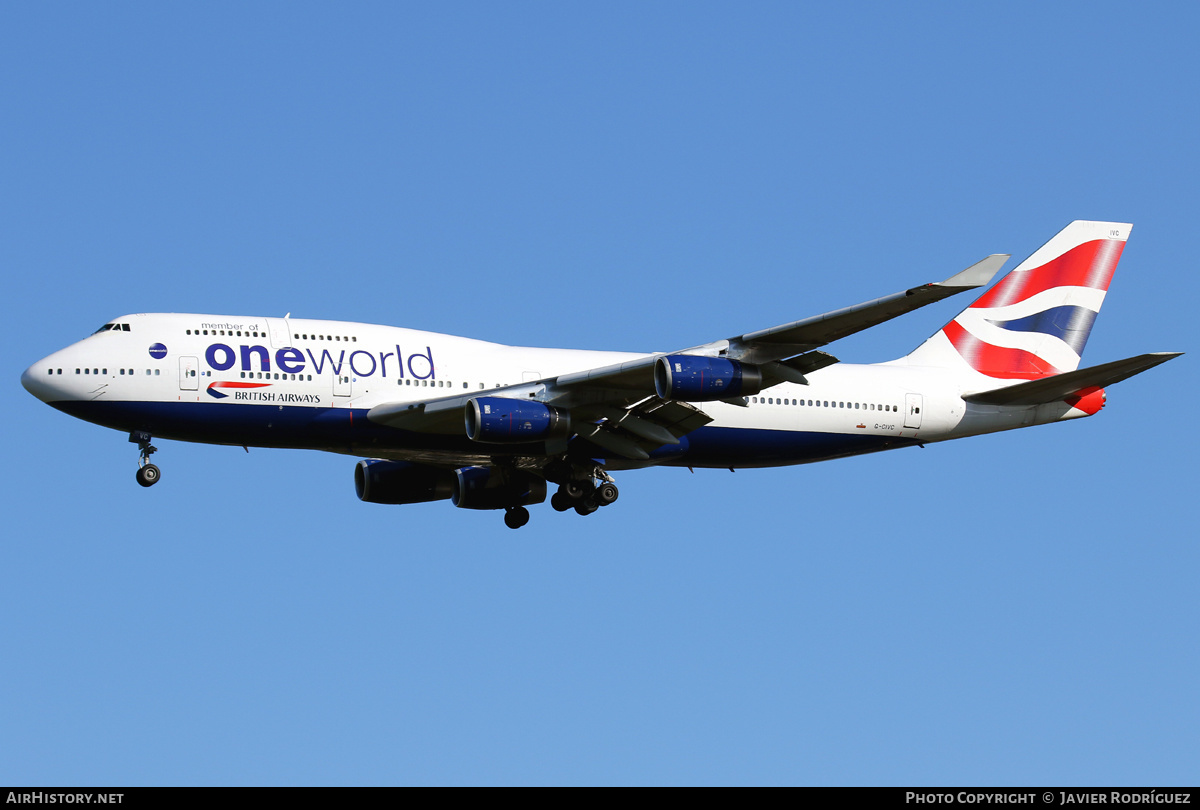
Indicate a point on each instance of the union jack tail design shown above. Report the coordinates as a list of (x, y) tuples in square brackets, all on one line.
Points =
[(1036, 320)]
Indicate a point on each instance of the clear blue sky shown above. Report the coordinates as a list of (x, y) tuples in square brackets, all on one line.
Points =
[(1012, 609)]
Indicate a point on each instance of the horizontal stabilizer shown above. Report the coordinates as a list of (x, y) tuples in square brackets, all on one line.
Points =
[(1060, 386)]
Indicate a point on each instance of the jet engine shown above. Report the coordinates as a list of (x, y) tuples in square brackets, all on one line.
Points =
[(379, 481), (704, 379), (499, 420), (494, 488)]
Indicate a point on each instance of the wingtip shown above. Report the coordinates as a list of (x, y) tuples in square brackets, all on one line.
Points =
[(979, 273)]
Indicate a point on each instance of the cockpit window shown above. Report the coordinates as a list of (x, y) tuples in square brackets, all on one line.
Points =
[(116, 327), (104, 328)]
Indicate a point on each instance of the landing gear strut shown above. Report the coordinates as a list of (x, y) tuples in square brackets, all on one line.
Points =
[(148, 474)]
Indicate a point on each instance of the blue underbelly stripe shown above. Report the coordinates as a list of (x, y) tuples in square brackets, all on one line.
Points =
[(345, 430)]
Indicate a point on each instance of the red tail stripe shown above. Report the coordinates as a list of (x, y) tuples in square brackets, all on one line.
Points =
[(1088, 265), (997, 361)]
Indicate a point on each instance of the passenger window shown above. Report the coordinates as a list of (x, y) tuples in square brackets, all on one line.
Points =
[(155, 372)]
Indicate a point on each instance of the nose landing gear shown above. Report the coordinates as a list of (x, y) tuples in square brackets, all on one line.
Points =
[(148, 474)]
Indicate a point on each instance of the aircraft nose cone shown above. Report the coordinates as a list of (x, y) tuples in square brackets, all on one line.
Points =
[(38, 382)]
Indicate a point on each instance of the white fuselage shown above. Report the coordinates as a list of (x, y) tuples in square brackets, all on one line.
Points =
[(304, 383)]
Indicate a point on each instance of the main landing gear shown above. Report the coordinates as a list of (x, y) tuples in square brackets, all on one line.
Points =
[(148, 474), (585, 496), (583, 492)]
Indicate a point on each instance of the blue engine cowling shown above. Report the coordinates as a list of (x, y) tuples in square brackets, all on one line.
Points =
[(379, 481), (704, 379), (493, 488), (500, 420)]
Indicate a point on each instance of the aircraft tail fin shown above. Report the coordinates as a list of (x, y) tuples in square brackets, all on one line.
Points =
[(1035, 321)]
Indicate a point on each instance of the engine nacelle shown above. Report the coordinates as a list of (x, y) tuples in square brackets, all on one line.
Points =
[(379, 481), (492, 488), (704, 379), (500, 420)]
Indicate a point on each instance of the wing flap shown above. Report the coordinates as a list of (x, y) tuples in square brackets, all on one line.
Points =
[(637, 431)]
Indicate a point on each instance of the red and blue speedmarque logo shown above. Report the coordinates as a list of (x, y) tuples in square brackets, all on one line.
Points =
[(214, 389)]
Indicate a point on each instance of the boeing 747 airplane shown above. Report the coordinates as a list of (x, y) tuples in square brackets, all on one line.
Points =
[(490, 426)]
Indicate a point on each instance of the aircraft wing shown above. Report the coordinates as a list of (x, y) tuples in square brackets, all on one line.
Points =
[(770, 346), (793, 338), (617, 406)]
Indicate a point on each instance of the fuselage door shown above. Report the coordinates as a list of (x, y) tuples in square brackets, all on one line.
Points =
[(281, 333), (189, 371), (341, 382), (912, 410)]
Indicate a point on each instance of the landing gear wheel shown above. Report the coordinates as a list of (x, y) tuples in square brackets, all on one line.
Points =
[(575, 490), (586, 507), (561, 502), (606, 493), (516, 517), (148, 476)]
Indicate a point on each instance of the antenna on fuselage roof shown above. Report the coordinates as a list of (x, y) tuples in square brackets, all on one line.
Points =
[(288, 315)]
